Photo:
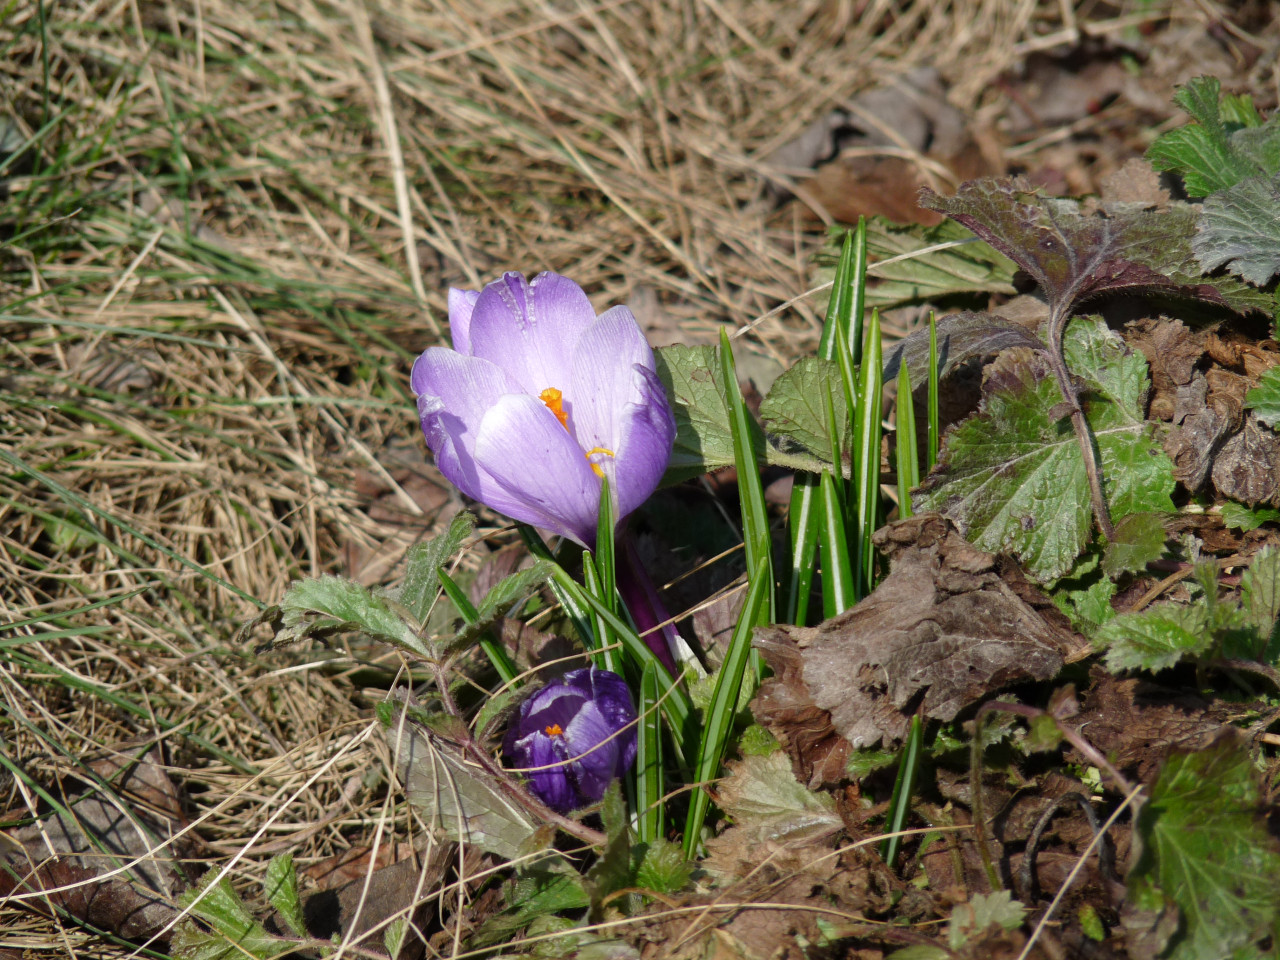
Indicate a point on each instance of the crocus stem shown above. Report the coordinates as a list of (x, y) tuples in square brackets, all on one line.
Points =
[(641, 598)]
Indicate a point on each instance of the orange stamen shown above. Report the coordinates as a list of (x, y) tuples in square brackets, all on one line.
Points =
[(554, 730), (554, 400), (595, 466)]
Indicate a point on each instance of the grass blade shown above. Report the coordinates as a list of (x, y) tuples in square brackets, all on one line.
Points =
[(649, 780), (496, 653), (755, 517), (903, 786), (866, 455), (724, 703), (908, 454)]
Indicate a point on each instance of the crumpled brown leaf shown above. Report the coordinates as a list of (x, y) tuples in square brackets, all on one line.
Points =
[(949, 626)]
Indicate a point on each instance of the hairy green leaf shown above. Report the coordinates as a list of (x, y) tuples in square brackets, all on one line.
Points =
[(1074, 254), (1013, 477), (497, 602), (1205, 846), (1085, 595), (543, 889), (1216, 152), (422, 566), (235, 931), (1155, 638), (281, 887), (455, 795), (662, 867), (763, 794), (1237, 516), (1260, 590), (969, 920), (795, 408), (332, 603), (1139, 540), (1264, 399), (1238, 229)]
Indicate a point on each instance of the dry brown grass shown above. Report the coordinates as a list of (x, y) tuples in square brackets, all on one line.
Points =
[(238, 231)]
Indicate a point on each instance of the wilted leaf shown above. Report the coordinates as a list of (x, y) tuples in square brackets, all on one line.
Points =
[(1012, 476), (1207, 153), (1155, 638), (1205, 846), (763, 796), (1264, 399), (1139, 540), (1238, 228), (950, 625), (422, 566), (332, 603), (1073, 255), (961, 337), (455, 795), (796, 407)]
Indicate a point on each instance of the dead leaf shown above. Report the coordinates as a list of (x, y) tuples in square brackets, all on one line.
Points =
[(1247, 468), (950, 625)]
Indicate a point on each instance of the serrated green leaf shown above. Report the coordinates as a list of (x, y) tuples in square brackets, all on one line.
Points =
[(455, 795), (1156, 638), (1205, 846), (393, 935), (868, 760), (1013, 478), (1260, 590), (969, 920), (545, 889), (1202, 152), (422, 566), (497, 602), (236, 932), (330, 603), (612, 870), (795, 408), (1044, 734), (1238, 229), (662, 867), (1264, 399), (1236, 516), (763, 794), (1139, 540), (972, 268), (281, 887), (1086, 601)]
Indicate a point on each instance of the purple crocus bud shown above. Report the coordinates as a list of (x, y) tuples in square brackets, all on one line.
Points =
[(573, 737), (540, 399)]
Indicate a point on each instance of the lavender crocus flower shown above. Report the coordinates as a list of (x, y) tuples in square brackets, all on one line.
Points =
[(578, 733), (540, 399)]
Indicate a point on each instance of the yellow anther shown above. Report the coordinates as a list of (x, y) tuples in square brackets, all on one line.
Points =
[(595, 466), (554, 400), (554, 730)]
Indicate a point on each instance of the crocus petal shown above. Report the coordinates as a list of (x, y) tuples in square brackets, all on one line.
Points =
[(611, 696), (604, 379), (530, 328), (550, 785), (593, 754), (461, 305), (544, 477), (648, 430), (454, 393)]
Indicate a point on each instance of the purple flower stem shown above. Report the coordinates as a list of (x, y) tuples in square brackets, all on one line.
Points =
[(641, 598)]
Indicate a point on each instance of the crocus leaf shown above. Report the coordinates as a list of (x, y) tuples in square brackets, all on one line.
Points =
[(1205, 153), (973, 268), (1073, 255), (1139, 540), (1264, 399), (331, 603), (795, 408), (1155, 638), (1238, 229), (1012, 476), (455, 795), (1237, 516), (1206, 848), (422, 565)]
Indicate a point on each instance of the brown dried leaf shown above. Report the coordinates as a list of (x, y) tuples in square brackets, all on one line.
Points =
[(1247, 468), (949, 625)]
